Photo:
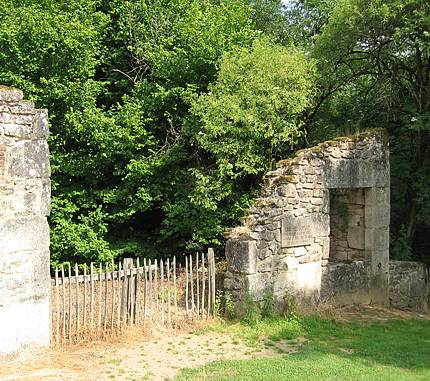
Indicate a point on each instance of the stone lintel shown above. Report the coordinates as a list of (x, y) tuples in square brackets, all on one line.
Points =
[(241, 256)]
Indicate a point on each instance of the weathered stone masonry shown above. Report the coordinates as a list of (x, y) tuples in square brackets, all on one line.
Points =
[(320, 230), (24, 232)]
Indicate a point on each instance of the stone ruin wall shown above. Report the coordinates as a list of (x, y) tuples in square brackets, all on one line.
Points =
[(409, 286), (24, 231), (297, 241)]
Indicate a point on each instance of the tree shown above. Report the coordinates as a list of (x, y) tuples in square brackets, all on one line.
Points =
[(251, 115), (374, 66)]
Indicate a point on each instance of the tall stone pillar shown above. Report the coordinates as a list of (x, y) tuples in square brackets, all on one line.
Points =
[(24, 231)]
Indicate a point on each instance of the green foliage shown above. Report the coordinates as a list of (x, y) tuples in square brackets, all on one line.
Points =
[(230, 308), (116, 77), (400, 248), (251, 114), (250, 310), (268, 309), (164, 115), (218, 302)]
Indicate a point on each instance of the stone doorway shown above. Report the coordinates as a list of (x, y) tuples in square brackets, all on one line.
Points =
[(347, 224)]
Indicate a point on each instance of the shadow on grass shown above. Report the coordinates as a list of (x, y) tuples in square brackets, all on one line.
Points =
[(394, 350), (401, 343)]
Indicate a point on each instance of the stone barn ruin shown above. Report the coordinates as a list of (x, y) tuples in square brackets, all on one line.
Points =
[(320, 230), (24, 231)]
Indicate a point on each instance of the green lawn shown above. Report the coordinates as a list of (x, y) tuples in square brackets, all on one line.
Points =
[(394, 350)]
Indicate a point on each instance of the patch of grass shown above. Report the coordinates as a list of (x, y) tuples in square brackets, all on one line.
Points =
[(393, 350)]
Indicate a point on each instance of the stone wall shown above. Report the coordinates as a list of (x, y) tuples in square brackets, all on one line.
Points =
[(284, 245), (409, 285), (24, 232)]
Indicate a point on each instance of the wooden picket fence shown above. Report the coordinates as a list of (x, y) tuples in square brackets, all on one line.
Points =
[(90, 303)]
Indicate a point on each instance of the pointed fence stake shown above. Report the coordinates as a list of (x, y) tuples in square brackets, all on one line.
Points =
[(92, 294), (63, 287), (186, 286), (99, 317), (106, 297), (175, 293), (192, 284), (77, 299), (57, 306), (70, 302), (145, 295), (203, 285), (84, 301), (197, 285), (162, 289), (169, 320), (112, 312)]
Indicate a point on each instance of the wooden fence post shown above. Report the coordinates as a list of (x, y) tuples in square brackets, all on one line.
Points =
[(63, 287), (113, 297), (127, 263), (209, 284), (192, 283), (57, 306), (212, 254), (99, 317), (169, 320), (197, 285), (77, 298), (92, 294), (162, 289), (151, 296), (137, 293), (175, 300), (106, 297), (70, 302), (84, 301), (118, 322), (156, 286), (145, 294), (186, 285)]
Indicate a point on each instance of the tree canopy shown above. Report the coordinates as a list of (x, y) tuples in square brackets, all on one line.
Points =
[(165, 115)]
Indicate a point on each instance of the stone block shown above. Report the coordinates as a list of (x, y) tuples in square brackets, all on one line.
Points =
[(10, 94), (258, 285), (17, 130), (241, 256), (25, 197), (300, 251), (23, 234), (284, 282), (29, 159), (377, 239), (377, 216), (287, 190), (265, 265), (309, 276), (299, 231), (355, 173), (234, 281), (380, 262), (356, 237), (356, 196), (34, 316), (40, 124), (378, 196)]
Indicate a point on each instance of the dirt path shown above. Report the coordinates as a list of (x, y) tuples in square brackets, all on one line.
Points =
[(159, 356), (138, 357)]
